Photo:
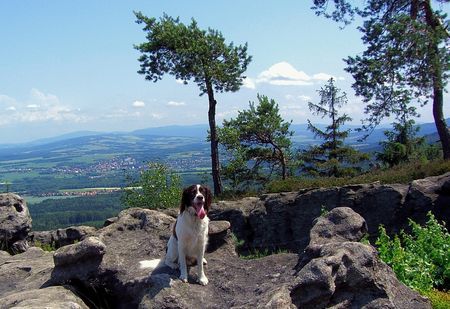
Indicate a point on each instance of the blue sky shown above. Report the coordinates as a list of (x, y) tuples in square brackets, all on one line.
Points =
[(70, 65)]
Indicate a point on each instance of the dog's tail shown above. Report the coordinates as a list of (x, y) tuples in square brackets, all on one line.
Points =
[(152, 264)]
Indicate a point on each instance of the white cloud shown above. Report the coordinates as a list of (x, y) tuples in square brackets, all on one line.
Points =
[(180, 81), (157, 116), (175, 103), (290, 97), (322, 76), (138, 104), (39, 107), (285, 74), (248, 83), (305, 98)]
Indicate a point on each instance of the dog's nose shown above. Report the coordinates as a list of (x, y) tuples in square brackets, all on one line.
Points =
[(200, 197)]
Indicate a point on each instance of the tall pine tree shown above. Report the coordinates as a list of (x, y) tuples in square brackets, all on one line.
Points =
[(332, 157), (192, 54)]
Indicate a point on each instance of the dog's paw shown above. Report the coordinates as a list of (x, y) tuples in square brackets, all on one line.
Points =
[(203, 280)]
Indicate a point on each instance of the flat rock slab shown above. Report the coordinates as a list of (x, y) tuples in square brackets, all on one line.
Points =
[(216, 227), (55, 297), (26, 271)]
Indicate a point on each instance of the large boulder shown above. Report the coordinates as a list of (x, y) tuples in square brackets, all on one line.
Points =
[(338, 271), (60, 237), (15, 223), (108, 262)]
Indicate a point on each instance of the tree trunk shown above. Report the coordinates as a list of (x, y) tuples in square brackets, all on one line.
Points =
[(438, 91), (441, 126), (215, 163)]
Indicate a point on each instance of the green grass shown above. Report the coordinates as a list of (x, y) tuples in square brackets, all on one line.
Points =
[(403, 173), (439, 299), (260, 253)]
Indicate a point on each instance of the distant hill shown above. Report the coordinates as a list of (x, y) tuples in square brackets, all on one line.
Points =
[(200, 131), (196, 133)]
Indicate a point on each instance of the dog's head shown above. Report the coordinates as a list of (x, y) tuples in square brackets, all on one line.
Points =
[(197, 200)]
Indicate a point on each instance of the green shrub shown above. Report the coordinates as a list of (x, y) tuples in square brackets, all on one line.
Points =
[(46, 247), (158, 187), (421, 259)]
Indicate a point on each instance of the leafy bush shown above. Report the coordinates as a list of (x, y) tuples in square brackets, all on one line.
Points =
[(157, 187), (421, 259)]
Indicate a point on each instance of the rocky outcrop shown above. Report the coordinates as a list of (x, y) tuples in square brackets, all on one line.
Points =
[(330, 267), (60, 237), (15, 223), (284, 220), (335, 270), (338, 271), (51, 297), (27, 271), (104, 270)]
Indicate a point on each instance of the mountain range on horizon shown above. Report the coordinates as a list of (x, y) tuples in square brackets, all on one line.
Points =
[(200, 132)]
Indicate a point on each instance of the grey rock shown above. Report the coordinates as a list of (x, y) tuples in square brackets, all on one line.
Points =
[(15, 223), (26, 271), (89, 248), (333, 268), (61, 237), (283, 220), (52, 298), (339, 272)]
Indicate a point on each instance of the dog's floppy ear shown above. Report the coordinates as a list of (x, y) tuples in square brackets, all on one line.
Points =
[(208, 199), (185, 200)]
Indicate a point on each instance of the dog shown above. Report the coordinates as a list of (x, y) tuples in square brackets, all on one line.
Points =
[(188, 242)]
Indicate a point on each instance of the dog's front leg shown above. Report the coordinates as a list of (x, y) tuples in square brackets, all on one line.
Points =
[(182, 262), (201, 274)]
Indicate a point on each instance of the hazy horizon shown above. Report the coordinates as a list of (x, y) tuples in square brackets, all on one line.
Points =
[(71, 66)]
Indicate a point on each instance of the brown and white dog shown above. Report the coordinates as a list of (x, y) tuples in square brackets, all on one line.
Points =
[(190, 234)]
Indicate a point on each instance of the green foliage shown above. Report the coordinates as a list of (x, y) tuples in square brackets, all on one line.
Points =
[(323, 211), (190, 53), (257, 144), (406, 60), (158, 187), (420, 259), (402, 173), (46, 247), (402, 144), (238, 243), (439, 299), (332, 157), (254, 254), (52, 214)]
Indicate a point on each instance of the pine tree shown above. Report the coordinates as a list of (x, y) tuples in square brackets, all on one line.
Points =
[(332, 157), (407, 59), (190, 53), (258, 144)]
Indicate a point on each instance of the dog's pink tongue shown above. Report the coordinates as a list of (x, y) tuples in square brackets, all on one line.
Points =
[(201, 212)]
